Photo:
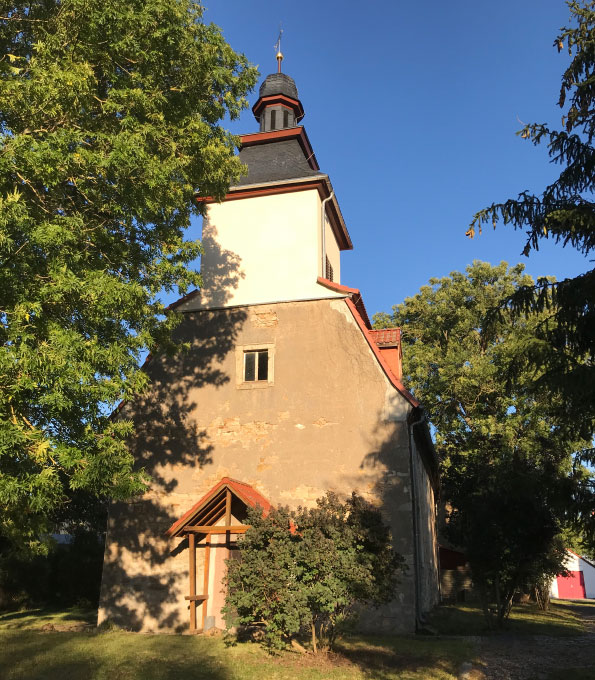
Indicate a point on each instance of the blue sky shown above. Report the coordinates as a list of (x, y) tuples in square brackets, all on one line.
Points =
[(412, 110)]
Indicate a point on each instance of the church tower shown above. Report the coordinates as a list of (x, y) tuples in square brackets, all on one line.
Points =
[(280, 227), (284, 393)]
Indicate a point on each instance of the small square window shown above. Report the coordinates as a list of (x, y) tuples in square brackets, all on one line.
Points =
[(255, 365)]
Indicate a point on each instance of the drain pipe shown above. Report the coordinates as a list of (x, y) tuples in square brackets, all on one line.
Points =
[(323, 234), (416, 551)]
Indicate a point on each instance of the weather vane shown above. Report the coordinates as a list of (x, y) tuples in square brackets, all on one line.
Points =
[(277, 46)]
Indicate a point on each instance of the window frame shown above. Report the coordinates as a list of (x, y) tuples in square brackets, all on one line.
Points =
[(241, 351)]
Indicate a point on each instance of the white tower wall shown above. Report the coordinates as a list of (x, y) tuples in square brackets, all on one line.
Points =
[(265, 249)]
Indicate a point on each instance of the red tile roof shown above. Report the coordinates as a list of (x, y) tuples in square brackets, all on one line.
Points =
[(246, 493), (386, 336), (185, 298)]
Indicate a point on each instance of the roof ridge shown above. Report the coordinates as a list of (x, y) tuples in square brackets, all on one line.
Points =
[(236, 481)]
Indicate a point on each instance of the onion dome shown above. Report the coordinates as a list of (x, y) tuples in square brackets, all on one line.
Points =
[(278, 106), (279, 83)]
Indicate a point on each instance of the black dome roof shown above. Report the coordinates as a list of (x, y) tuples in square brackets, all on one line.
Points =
[(278, 83)]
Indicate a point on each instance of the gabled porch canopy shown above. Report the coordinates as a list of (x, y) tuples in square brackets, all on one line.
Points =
[(228, 498), (214, 504)]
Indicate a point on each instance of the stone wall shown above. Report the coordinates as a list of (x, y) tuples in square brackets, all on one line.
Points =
[(330, 419)]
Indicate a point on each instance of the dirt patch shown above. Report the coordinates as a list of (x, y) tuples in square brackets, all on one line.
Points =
[(514, 657), (321, 660), (374, 661)]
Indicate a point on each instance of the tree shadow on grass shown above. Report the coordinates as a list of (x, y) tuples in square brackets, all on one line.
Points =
[(388, 658), (37, 617), (56, 656), (457, 619)]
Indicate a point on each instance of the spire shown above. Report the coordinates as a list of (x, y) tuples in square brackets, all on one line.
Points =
[(278, 106), (278, 48)]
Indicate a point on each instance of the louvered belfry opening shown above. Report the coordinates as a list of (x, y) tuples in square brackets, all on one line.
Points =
[(329, 270)]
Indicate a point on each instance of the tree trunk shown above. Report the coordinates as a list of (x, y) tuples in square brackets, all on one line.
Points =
[(499, 610), (485, 605), (296, 645), (542, 594), (314, 645), (506, 606)]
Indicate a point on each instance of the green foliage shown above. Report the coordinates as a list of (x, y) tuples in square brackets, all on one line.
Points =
[(565, 213), (507, 512), (109, 121), (508, 475), (68, 574), (308, 570)]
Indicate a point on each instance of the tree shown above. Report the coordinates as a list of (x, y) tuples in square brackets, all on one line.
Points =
[(564, 212), (507, 468), (109, 121), (307, 571)]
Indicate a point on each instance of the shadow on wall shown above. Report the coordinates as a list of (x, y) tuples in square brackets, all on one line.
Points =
[(138, 582), (220, 269), (388, 460), (387, 467), (408, 500)]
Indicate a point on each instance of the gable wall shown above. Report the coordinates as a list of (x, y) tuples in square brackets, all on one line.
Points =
[(330, 421)]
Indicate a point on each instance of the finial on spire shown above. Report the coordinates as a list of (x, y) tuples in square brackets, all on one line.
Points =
[(278, 48)]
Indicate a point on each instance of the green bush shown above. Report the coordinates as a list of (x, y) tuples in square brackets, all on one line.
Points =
[(309, 571)]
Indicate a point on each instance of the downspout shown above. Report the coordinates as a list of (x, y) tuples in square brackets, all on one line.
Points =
[(323, 233), (416, 569)]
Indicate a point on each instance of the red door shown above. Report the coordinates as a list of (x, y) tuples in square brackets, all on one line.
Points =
[(572, 587)]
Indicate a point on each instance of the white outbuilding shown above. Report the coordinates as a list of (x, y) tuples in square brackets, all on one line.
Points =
[(580, 582)]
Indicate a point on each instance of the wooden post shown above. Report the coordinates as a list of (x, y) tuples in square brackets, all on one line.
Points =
[(227, 516), (216, 529), (205, 590), (192, 575)]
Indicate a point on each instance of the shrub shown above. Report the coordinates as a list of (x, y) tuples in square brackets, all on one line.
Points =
[(311, 570)]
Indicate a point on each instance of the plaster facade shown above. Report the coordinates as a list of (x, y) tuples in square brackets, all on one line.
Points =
[(330, 420), (250, 242)]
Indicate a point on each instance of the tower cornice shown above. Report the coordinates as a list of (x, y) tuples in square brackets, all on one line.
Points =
[(278, 99), (319, 182)]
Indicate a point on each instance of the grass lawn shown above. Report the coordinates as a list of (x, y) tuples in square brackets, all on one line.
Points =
[(36, 655), (32, 619), (525, 619), (28, 653)]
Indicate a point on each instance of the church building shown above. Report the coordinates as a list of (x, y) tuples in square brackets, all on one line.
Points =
[(284, 392)]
